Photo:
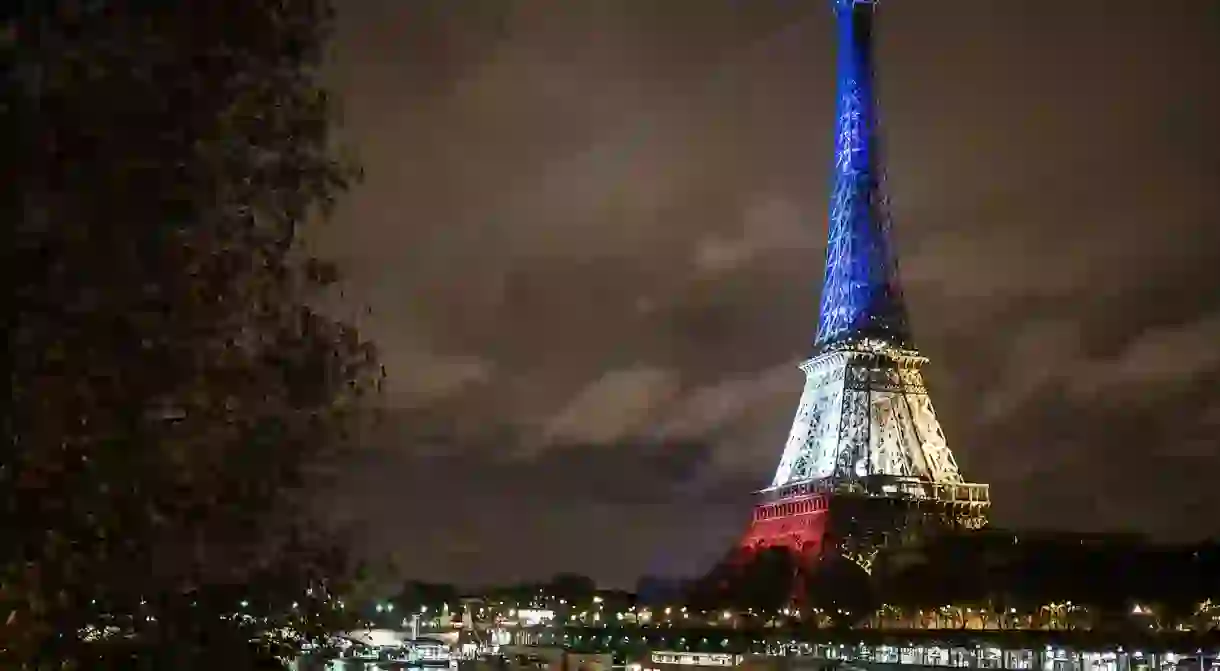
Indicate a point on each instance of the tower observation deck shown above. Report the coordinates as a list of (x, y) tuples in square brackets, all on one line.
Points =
[(866, 460)]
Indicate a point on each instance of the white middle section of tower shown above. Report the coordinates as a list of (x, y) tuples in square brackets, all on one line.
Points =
[(865, 414)]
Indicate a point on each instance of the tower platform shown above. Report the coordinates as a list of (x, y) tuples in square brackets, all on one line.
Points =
[(819, 520)]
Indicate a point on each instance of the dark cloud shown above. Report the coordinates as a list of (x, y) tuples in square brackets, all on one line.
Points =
[(600, 224), (486, 511)]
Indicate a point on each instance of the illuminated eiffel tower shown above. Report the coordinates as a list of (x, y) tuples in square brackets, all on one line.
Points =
[(866, 463)]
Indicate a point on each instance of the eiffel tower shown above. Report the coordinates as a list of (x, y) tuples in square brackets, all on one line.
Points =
[(866, 464)]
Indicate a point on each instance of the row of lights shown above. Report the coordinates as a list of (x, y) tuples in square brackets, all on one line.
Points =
[(389, 608)]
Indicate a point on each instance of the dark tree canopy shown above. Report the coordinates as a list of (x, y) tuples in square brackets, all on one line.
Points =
[(172, 387), (767, 581), (416, 595), (573, 588), (1014, 574), (840, 589)]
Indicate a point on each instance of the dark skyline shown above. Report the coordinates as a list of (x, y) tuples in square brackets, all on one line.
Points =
[(592, 236)]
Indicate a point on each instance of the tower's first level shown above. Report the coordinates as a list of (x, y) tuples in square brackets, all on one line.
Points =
[(820, 524)]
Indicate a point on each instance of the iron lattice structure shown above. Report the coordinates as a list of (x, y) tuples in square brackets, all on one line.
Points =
[(861, 296), (866, 462)]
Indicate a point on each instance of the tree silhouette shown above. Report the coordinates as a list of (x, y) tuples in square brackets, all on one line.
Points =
[(416, 595), (572, 587), (842, 590), (767, 581), (173, 390)]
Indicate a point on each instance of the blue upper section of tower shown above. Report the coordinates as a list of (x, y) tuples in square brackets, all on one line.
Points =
[(861, 296)]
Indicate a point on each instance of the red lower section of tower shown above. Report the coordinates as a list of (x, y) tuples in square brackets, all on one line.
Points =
[(827, 542), (797, 524), (800, 525)]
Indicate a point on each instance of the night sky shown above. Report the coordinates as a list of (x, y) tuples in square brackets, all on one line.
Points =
[(591, 237)]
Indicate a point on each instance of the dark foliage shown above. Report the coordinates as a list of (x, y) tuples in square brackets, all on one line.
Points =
[(1021, 573), (574, 588), (765, 580), (416, 595), (842, 590), (1091, 581), (172, 388), (577, 591)]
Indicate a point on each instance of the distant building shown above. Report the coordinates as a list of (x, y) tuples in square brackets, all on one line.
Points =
[(665, 660), (429, 652)]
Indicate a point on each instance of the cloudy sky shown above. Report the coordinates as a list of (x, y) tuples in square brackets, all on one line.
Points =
[(590, 243)]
